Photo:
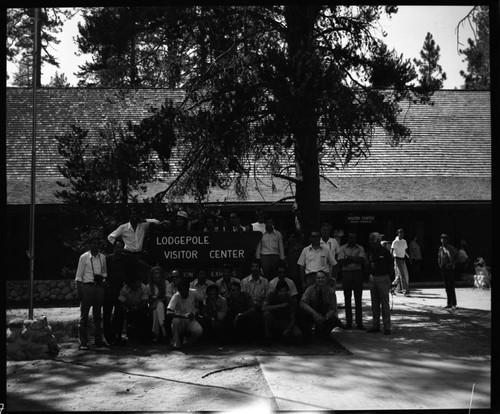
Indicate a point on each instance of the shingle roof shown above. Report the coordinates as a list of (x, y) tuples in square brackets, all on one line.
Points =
[(449, 157)]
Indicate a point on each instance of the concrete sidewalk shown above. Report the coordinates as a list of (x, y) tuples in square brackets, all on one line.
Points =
[(396, 371), (432, 360)]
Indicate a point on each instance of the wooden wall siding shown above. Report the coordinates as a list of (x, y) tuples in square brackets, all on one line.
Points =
[(449, 157)]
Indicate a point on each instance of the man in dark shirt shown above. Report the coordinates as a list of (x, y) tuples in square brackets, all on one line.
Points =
[(318, 307), (279, 313), (242, 316), (379, 265), (120, 267)]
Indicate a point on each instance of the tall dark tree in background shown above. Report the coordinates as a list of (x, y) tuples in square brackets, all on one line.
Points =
[(111, 171), (431, 73), (282, 89), (132, 47), (20, 24), (477, 54), (22, 77)]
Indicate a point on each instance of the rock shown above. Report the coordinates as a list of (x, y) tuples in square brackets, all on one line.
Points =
[(61, 284), (13, 294), (41, 287), (53, 296), (69, 296), (31, 339), (65, 290)]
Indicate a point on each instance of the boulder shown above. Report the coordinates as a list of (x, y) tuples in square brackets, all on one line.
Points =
[(31, 339)]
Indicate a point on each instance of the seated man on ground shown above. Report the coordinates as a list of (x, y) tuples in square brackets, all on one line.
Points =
[(134, 308), (279, 313), (183, 310), (225, 281), (214, 314), (282, 277), (242, 317), (255, 285), (157, 297), (201, 283), (173, 286), (318, 308)]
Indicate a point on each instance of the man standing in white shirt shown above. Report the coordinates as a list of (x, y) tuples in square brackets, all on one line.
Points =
[(399, 249), (270, 250), (314, 258), (90, 277), (334, 247)]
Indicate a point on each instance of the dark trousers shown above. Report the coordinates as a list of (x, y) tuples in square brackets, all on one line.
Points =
[(448, 276), (246, 328), (138, 261), (92, 297), (139, 319), (352, 281), (109, 309), (269, 264), (305, 322)]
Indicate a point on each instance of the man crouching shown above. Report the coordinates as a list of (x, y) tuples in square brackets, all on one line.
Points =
[(319, 308), (183, 309)]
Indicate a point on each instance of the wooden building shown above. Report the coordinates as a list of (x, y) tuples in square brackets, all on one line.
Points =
[(439, 182)]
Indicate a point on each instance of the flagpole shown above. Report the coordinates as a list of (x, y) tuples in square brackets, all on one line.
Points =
[(33, 168)]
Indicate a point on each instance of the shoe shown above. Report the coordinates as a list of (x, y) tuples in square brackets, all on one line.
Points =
[(453, 308), (340, 325), (400, 291), (83, 348), (267, 342), (407, 294), (447, 307), (372, 330), (387, 331), (340, 306), (361, 328), (120, 342), (393, 290)]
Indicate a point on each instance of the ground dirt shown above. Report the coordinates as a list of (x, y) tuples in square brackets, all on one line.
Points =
[(205, 379)]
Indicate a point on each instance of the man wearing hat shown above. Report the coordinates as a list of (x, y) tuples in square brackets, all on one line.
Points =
[(447, 258), (181, 221)]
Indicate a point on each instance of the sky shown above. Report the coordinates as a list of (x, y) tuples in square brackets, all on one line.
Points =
[(406, 32)]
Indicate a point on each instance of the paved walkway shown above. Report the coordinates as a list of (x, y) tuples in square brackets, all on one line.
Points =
[(389, 372), (417, 367)]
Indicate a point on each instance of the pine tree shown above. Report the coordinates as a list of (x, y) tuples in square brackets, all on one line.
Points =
[(59, 81), (431, 73), (477, 55)]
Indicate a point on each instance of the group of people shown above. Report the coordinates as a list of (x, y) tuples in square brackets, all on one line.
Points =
[(290, 292)]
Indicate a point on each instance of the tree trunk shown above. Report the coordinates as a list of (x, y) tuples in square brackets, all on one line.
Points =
[(304, 71)]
